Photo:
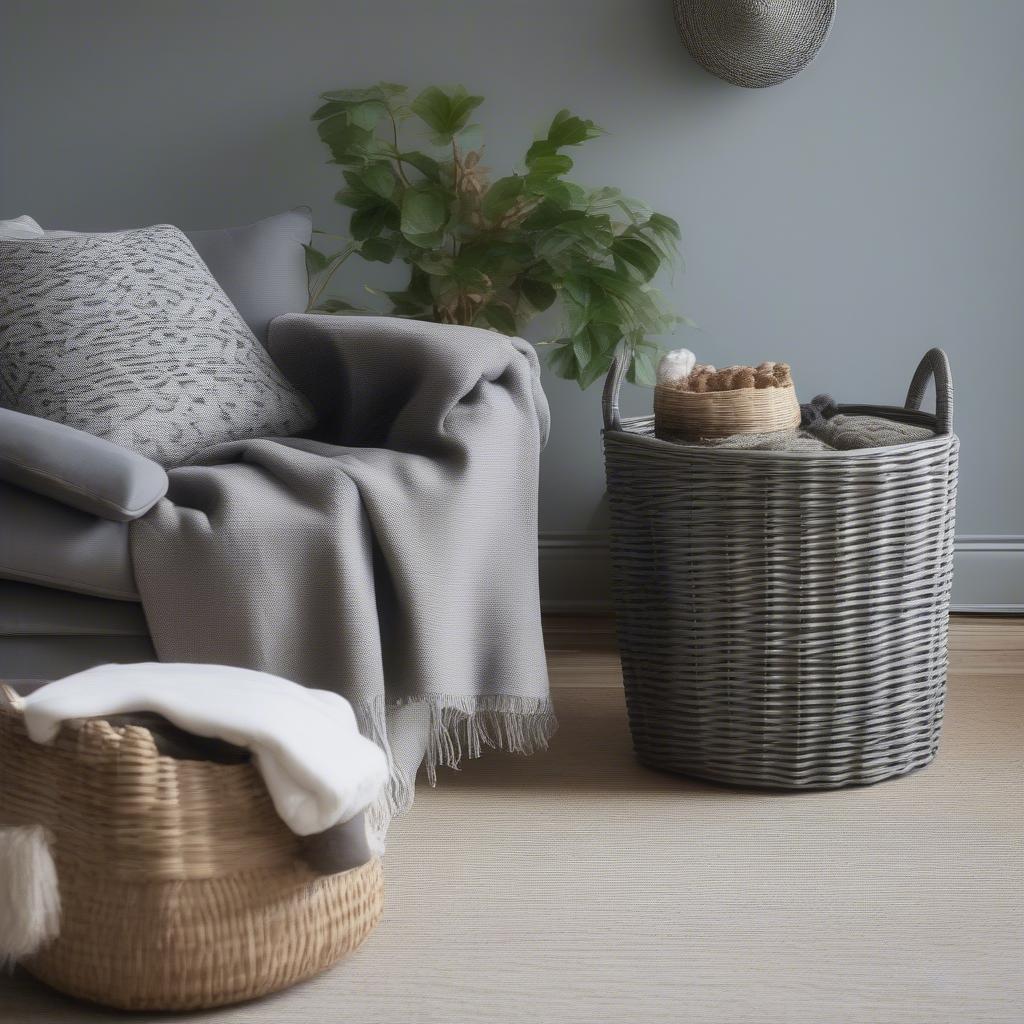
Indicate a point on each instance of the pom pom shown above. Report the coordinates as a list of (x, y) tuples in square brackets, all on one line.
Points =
[(675, 366), (782, 374), (744, 377), (763, 379), (722, 381)]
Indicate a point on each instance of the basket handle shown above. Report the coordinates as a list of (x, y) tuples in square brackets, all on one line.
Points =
[(612, 385), (935, 365)]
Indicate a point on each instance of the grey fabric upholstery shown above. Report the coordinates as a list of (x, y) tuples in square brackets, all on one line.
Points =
[(76, 468), (47, 633), (261, 266), (52, 657), (47, 543), (30, 610), (46, 630)]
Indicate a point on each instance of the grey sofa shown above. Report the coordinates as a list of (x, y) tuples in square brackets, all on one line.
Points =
[(67, 590)]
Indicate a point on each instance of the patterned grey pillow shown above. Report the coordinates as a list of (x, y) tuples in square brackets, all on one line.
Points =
[(128, 336)]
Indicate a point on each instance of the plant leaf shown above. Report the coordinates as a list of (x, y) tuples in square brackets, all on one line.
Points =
[(501, 317), (333, 306), (328, 109), (568, 130), (576, 299), (642, 369), (501, 196), (665, 226), (378, 250), (367, 115), (582, 348), (446, 114), (426, 165), (562, 362), (438, 264), (316, 261), (348, 143), (597, 367), (540, 148), (370, 221), (424, 213), (637, 254), (379, 179), (549, 166), (383, 91)]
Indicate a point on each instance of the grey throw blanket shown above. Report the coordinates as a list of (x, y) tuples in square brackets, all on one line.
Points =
[(393, 559)]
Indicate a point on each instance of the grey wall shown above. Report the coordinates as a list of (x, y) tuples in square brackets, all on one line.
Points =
[(844, 221)]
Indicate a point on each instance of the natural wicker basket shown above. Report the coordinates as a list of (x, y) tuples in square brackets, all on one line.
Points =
[(694, 415), (180, 886), (783, 616)]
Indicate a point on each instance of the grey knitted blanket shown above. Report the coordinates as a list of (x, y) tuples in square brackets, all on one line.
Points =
[(392, 560)]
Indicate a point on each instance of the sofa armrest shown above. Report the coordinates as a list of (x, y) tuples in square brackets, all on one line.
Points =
[(77, 469)]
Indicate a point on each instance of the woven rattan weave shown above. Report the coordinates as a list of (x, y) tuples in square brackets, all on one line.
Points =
[(180, 886), (783, 616), (694, 415)]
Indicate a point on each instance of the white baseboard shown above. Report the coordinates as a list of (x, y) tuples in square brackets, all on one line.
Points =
[(988, 576)]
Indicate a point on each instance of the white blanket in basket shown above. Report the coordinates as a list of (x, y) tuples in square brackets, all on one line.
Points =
[(319, 770)]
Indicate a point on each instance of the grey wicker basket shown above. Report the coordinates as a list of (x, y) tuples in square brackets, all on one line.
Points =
[(783, 616)]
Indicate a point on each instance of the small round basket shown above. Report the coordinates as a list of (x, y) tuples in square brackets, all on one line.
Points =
[(707, 415), (180, 887)]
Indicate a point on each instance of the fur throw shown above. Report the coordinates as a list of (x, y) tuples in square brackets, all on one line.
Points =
[(29, 895)]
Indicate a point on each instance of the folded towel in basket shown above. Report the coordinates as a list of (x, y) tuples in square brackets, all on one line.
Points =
[(319, 770)]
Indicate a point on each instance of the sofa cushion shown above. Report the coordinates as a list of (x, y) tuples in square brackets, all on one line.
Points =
[(77, 469), (53, 545), (129, 337), (261, 266), (52, 657), (47, 633), (28, 610)]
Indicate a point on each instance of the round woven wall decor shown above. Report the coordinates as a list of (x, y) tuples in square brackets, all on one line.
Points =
[(754, 43)]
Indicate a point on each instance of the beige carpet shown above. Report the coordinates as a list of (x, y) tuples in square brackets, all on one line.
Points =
[(579, 887)]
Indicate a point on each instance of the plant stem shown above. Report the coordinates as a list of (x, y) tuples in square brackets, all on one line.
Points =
[(330, 272), (398, 159), (456, 184)]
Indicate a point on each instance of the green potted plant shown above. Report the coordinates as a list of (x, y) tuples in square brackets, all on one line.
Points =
[(494, 253)]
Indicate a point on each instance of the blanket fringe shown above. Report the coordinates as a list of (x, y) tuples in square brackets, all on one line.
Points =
[(459, 727)]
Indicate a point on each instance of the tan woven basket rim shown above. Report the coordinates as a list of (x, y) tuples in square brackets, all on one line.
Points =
[(107, 732)]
